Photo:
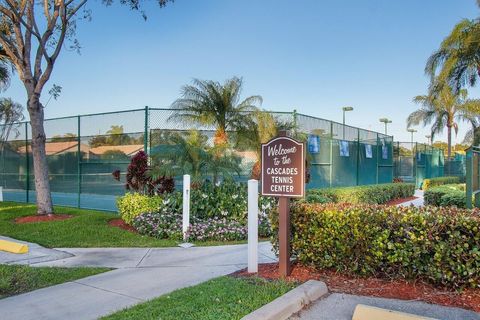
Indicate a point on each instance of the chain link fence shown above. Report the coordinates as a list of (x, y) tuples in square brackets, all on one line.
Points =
[(83, 151), (415, 162)]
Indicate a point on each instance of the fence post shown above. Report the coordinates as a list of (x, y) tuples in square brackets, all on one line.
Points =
[(414, 155), (145, 133), (331, 153), (358, 157), (295, 123), (468, 180), (252, 226), (186, 206), (79, 164), (27, 167), (376, 147)]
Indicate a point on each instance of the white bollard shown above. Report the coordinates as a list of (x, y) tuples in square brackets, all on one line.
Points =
[(252, 226), (1, 194), (186, 205)]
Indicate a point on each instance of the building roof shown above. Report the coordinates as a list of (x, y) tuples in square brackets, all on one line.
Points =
[(129, 149), (54, 148)]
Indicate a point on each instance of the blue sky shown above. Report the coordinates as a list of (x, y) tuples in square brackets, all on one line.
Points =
[(310, 55)]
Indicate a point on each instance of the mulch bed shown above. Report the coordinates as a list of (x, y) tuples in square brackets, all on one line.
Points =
[(43, 218), (399, 201), (119, 223), (384, 288)]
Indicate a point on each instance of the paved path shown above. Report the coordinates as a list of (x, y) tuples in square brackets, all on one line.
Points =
[(142, 274), (417, 202), (36, 254), (339, 306)]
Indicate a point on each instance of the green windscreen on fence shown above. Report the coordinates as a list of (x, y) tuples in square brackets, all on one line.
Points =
[(83, 152), (415, 162), (346, 156)]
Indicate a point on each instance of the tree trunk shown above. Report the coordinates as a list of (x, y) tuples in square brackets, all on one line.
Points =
[(220, 138), (449, 142), (40, 168), (256, 170)]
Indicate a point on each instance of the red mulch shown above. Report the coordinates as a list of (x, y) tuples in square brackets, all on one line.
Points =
[(119, 223), (43, 218), (398, 289), (398, 201)]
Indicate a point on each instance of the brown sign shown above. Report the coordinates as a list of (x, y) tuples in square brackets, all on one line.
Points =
[(283, 168)]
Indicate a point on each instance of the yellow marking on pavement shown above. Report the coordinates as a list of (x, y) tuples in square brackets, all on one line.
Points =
[(363, 312), (13, 247)]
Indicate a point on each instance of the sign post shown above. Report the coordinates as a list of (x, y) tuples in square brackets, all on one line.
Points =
[(283, 176), (252, 226), (186, 211)]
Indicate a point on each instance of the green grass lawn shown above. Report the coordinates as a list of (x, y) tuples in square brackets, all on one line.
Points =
[(220, 298), (15, 279), (87, 229)]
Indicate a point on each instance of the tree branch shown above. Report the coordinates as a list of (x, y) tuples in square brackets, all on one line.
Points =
[(75, 10)]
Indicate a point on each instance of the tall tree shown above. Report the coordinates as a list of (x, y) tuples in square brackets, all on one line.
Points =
[(11, 113), (210, 103), (33, 34), (189, 153), (472, 115), (457, 61), (5, 67), (441, 109), (262, 127)]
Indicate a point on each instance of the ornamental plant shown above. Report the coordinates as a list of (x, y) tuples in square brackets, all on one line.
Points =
[(165, 225), (133, 204), (140, 180), (210, 204), (438, 244)]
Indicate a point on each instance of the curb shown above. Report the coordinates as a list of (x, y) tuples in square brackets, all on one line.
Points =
[(291, 302)]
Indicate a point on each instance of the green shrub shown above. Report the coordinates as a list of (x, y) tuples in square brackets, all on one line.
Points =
[(133, 204), (446, 195), (371, 194), (454, 198), (440, 245), (227, 200), (318, 197), (433, 182)]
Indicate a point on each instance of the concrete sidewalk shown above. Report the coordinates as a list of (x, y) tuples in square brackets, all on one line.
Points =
[(417, 202), (36, 254), (142, 274), (339, 306)]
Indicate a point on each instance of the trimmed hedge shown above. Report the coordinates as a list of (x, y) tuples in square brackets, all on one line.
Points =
[(370, 194), (440, 245), (446, 195), (433, 182)]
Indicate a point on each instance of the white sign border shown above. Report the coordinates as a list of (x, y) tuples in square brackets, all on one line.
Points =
[(302, 144)]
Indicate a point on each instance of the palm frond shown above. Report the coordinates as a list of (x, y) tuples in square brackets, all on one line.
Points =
[(211, 103)]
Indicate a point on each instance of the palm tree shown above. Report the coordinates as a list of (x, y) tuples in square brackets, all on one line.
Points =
[(261, 128), (11, 113), (190, 154), (211, 103), (472, 115), (5, 68), (443, 108), (457, 61)]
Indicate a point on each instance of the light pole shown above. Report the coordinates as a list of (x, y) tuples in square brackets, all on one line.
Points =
[(386, 121), (412, 131), (345, 109), (428, 138)]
